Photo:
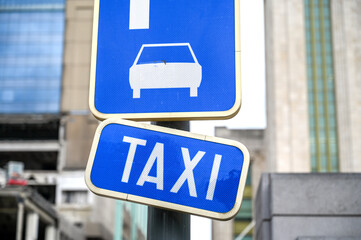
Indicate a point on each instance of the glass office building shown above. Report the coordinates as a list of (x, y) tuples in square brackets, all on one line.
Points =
[(31, 52), (321, 87)]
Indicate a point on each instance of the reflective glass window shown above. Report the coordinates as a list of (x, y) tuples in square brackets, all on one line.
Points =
[(321, 90), (31, 52)]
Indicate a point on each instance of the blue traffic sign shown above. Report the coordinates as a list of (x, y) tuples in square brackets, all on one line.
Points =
[(170, 59), (168, 168)]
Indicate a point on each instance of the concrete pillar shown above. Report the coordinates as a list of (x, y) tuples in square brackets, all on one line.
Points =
[(287, 133), (297, 206), (222, 230), (50, 233), (32, 226), (346, 22), (20, 221), (133, 227)]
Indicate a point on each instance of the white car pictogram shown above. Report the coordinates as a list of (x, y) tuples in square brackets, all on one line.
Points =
[(162, 74)]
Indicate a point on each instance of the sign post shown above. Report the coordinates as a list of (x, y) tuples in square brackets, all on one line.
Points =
[(165, 224)]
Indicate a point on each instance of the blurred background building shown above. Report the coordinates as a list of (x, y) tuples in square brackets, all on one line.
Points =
[(45, 124), (313, 81)]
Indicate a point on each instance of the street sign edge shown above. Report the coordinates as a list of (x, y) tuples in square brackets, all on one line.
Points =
[(167, 116), (93, 61), (159, 203)]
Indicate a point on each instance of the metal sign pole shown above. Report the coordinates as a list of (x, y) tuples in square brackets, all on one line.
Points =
[(164, 224)]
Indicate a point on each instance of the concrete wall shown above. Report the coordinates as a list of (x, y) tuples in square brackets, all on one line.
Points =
[(78, 37), (104, 213), (74, 212), (290, 206), (69, 230), (328, 238), (79, 133), (80, 125)]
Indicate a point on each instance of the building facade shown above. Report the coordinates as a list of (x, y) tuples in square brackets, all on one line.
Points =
[(313, 112), (313, 51), (313, 115)]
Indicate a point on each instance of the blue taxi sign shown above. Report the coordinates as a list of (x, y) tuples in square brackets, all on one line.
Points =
[(168, 168), (165, 60)]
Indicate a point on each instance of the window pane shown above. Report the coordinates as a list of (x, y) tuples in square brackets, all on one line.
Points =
[(75, 197), (321, 95)]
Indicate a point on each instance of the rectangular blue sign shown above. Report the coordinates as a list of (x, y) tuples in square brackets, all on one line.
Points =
[(170, 59), (168, 168)]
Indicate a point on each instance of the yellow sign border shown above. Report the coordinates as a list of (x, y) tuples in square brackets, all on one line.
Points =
[(158, 203), (167, 116)]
